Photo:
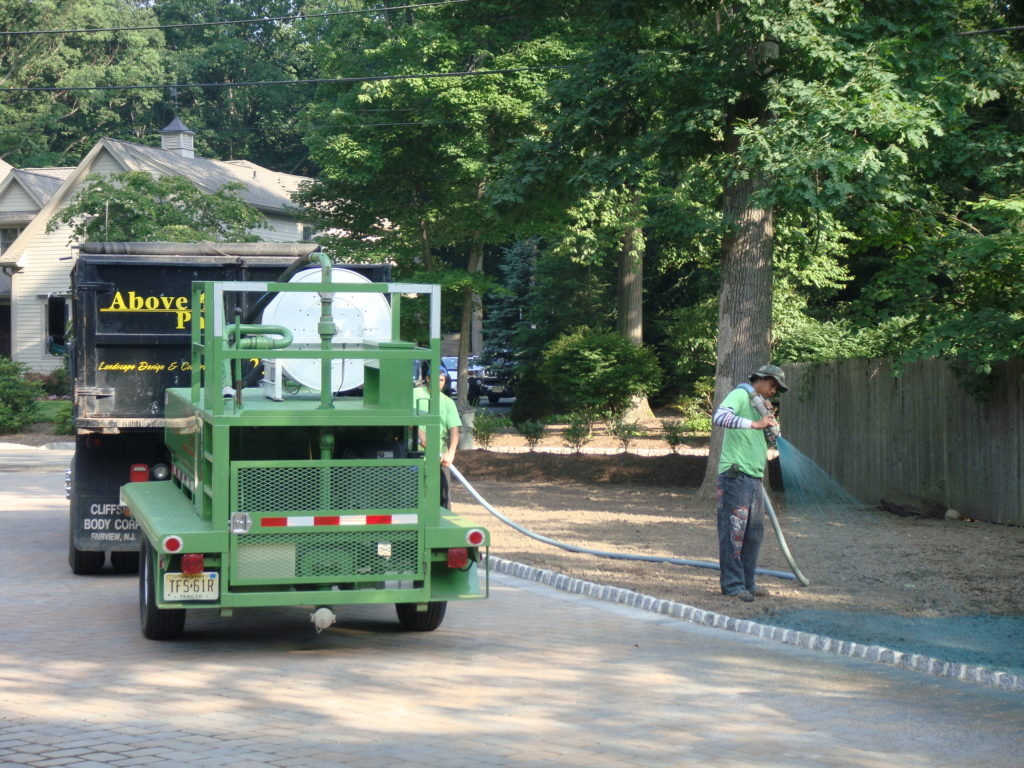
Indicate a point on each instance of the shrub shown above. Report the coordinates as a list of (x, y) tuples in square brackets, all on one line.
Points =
[(486, 425), (578, 432), (62, 422), (599, 372), (533, 398), (532, 431), (675, 434), (625, 431), (700, 423), (18, 396), (56, 383), (696, 409)]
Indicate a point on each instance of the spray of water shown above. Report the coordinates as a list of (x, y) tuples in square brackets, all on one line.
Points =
[(808, 487)]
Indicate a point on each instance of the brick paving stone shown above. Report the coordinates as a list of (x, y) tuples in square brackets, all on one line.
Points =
[(532, 678)]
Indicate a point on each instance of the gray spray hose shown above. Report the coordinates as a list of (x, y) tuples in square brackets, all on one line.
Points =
[(782, 539), (613, 555)]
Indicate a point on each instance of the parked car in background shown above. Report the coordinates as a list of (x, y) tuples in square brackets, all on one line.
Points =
[(499, 379), (476, 374)]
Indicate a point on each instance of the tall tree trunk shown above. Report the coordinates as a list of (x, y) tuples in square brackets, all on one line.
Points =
[(629, 304), (745, 300), (472, 310), (469, 299)]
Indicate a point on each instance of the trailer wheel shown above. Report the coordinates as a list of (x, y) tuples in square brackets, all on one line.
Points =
[(157, 623), (82, 562), (421, 621), (125, 562)]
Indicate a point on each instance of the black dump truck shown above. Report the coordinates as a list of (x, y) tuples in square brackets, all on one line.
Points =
[(131, 339)]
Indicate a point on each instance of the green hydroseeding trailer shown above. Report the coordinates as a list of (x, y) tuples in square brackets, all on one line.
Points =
[(296, 474), (130, 341)]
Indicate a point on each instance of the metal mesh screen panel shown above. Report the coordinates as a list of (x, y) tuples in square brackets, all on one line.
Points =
[(327, 489), (332, 557)]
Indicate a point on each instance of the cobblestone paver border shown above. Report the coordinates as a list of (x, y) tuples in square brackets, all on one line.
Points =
[(873, 653)]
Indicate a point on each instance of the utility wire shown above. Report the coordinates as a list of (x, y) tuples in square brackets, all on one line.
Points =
[(307, 81), (990, 31), (11, 33)]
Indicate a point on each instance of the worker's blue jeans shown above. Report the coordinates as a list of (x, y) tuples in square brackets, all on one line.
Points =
[(740, 530)]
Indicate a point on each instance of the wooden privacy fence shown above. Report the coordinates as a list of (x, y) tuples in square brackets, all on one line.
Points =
[(919, 435)]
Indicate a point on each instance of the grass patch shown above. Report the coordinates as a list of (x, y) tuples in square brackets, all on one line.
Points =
[(50, 410)]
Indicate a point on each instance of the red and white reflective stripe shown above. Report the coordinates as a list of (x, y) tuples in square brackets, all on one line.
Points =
[(331, 520)]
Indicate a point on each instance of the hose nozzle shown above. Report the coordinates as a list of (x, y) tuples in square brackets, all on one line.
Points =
[(771, 434)]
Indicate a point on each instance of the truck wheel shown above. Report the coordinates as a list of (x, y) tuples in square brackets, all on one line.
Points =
[(157, 623), (83, 563), (421, 621), (125, 562)]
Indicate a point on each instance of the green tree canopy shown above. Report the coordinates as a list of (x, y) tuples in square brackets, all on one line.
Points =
[(136, 206), (56, 127)]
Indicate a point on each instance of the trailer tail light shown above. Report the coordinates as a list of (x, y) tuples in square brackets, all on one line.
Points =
[(475, 537), (172, 544), (160, 472), (139, 473), (192, 564), (458, 557)]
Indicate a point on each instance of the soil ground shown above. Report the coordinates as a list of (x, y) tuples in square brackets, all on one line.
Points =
[(945, 588)]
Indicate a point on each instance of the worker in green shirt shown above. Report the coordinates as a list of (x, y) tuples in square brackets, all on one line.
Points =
[(450, 425), (740, 472)]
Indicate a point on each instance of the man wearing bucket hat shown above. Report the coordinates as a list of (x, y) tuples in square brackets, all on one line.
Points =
[(740, 473)]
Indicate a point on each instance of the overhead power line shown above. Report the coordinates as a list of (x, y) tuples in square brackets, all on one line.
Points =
[(11, 33), (307, 81), (991, 31)]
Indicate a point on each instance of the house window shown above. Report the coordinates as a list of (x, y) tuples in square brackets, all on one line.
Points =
[(307, 233), (7, 236), (56, 325)]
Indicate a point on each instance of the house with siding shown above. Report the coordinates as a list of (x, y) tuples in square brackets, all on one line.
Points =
[(35, 265)]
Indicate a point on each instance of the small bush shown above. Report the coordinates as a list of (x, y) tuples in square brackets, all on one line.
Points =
[(696, 409), (18, 396), (698, 424), (56, 383), (486, 425), (532, 431), (675, 434), (578, 432), (625, 431), (62, 421), (600, 372)]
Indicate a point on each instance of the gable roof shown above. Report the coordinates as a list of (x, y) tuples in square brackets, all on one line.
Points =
[(39, 184), (264, 189)]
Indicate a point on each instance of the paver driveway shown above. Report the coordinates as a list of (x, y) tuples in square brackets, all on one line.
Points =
[(532, 677)]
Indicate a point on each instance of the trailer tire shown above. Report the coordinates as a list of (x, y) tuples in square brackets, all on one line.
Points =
[(83, 562), (157, 623), (421, 621), (125, 562)]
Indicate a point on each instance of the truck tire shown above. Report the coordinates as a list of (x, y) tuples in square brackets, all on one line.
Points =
[(157, 623), (421, 621), (125, 562), (82, 562)]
